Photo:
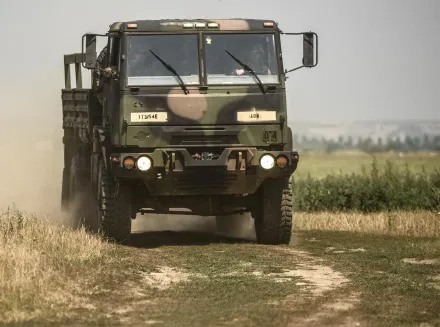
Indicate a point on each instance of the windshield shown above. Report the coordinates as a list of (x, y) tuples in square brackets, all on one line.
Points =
[(154, 59), (257, 51)]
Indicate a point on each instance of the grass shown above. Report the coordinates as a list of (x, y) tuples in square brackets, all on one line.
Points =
[(45, 269), (320, 165), (52, 275), (393, 291), (396, 223)]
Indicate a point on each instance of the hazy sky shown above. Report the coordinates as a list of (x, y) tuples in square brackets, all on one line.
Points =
[(377, 59)]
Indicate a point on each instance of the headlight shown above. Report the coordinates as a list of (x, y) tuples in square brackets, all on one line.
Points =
[(143, 163), (267, 161)]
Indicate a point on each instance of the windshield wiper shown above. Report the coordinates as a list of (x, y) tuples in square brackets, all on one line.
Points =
[(249, 69), (171, 69)]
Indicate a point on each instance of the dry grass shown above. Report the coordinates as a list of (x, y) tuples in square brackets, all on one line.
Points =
[(420, 224), (320, 165), (45, 266)]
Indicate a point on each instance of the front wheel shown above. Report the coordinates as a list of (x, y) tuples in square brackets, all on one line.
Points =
[(273, 212), (114, 206)]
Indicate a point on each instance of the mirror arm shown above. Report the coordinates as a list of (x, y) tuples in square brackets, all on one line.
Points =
[(291, 70)]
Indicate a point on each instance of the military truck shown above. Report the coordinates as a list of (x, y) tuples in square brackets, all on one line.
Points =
[(182, 117)]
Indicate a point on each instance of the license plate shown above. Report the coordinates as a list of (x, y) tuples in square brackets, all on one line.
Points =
[(144, 117)]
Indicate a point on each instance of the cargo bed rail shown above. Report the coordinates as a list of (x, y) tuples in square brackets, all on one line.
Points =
[(77, 59)]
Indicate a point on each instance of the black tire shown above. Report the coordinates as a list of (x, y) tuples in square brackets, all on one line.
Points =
[(114, 206), (273, 212)]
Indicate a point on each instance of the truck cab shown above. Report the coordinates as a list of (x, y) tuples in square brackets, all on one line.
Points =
[(183, 116)]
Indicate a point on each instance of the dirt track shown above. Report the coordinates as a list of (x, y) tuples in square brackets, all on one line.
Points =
[(276, 279)]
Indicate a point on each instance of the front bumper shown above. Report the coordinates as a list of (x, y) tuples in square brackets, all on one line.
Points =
[(175, 171)]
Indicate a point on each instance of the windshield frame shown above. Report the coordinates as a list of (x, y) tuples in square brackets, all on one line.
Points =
[(125, 62), (252, 81)]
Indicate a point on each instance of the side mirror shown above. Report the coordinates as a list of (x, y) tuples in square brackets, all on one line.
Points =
[(310, 44), (309, 50), (90, 55)]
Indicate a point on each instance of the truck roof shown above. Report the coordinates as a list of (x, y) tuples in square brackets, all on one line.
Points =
[(163, 25)]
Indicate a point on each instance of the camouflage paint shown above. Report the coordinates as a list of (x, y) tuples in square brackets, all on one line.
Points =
[(217, 108)]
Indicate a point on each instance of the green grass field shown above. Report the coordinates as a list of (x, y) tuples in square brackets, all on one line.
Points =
[(319, 165)]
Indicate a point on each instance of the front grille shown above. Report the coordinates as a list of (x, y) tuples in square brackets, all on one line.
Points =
[(203, 139), (205, 180)]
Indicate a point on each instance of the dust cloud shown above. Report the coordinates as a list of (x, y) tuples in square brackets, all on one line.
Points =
[(244, 229), (31, 176)]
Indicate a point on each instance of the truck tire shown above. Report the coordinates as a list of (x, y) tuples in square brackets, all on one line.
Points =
[(273, 212), (114, 206)]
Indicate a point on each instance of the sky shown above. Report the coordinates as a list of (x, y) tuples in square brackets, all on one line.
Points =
[(378, 60)]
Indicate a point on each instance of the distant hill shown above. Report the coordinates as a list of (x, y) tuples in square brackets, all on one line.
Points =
[(374, 129)]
